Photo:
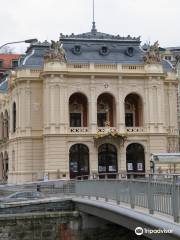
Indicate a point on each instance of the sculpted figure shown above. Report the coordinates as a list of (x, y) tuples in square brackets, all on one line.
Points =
[(56, 52), (152, 54)]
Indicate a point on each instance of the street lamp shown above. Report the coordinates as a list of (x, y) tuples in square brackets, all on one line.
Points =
[(25, 41)]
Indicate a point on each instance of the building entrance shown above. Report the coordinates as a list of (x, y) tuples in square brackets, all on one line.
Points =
[(107, 160), (79, 160), (135, 160)]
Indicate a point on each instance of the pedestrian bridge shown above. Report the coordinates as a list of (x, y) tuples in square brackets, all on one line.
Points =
[(149, 203)]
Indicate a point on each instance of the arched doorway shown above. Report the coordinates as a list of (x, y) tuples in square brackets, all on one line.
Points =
[(14, 117), (2, 126), (106, 110), (6, 166), (1, 166), (107, 160), (78, 160), (135, 158), (133, 111), (78, 110)]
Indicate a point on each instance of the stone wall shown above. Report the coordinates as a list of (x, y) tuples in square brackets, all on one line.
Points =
[(60, 226), (40, 226)]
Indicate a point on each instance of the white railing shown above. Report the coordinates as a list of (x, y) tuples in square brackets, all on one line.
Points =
[(78, 66), (78, 129), (105, 66), (133, 68), (135, 129), (106, 129)]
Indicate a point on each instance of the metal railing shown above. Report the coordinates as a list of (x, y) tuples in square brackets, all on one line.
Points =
[(157, 196), (157, 193)]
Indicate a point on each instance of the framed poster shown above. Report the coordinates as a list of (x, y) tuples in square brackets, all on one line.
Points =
[(130, 167), (139, 166), (112, 168), (102, 168)]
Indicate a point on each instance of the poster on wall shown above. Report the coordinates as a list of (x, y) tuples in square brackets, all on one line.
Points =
[(112, 168), (74, 166), (102, 168), (139, 166), (130, 167)]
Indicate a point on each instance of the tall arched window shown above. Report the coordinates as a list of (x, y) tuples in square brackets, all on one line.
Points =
[(78, 110), (133, 111), (14, 117), (1, 126), (6, 124), (105, 110), (79, 160)]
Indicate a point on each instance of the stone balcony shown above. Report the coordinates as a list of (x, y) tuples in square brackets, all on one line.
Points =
[(86, 130), (102, 68), (92, 68)]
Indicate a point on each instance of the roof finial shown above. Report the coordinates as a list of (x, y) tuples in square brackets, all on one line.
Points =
[(93, 30)]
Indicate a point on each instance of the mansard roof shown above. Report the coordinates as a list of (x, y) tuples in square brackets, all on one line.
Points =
[(96, 36), (91, 46)]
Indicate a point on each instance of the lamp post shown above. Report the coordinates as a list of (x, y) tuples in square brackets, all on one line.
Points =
[(25, 41)]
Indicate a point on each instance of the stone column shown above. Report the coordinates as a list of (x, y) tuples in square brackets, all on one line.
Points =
[(64, 109), (161, 107), (152, 102), (93, 110), (46, 100), (120, 107), (28, 108), (171, 104), (146, 115)]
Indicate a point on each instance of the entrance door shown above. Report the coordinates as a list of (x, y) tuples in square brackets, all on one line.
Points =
[(135, 160), (107, 160), (79, 160)]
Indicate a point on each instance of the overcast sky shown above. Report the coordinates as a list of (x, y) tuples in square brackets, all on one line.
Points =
[(46, 19)]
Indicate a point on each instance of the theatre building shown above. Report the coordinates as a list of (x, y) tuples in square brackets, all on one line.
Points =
[(90, 103)]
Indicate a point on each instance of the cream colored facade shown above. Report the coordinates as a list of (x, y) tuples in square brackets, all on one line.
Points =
[(43, 137)]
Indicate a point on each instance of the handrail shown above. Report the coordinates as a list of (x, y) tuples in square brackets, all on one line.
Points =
[(150, 191)]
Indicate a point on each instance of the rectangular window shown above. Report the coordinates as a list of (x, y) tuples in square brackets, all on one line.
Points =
[(101, 119), (1, 63), (129, 120), (14, 63), (75, 119)]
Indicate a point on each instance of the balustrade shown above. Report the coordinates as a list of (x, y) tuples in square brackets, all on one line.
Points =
[(135, 129), (78, 130)]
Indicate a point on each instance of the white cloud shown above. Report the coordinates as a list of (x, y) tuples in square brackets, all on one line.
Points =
[(45, 19)]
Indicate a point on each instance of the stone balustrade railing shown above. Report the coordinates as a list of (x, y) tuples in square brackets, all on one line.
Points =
[(78, 129)]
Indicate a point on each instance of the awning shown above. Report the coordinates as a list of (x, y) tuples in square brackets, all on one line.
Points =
[(166, 158)]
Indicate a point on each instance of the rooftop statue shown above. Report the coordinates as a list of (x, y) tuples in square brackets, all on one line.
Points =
[(56, 52), (152, 54)]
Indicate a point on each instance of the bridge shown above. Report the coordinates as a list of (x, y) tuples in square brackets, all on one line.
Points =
[(151, 203)]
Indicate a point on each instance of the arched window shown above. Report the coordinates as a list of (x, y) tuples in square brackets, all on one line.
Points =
[(1, 126), (14, 117), (105, 110), (135, 159), (6, 124), (79, 160), (107, 159), (78, 110), (133, 111)]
